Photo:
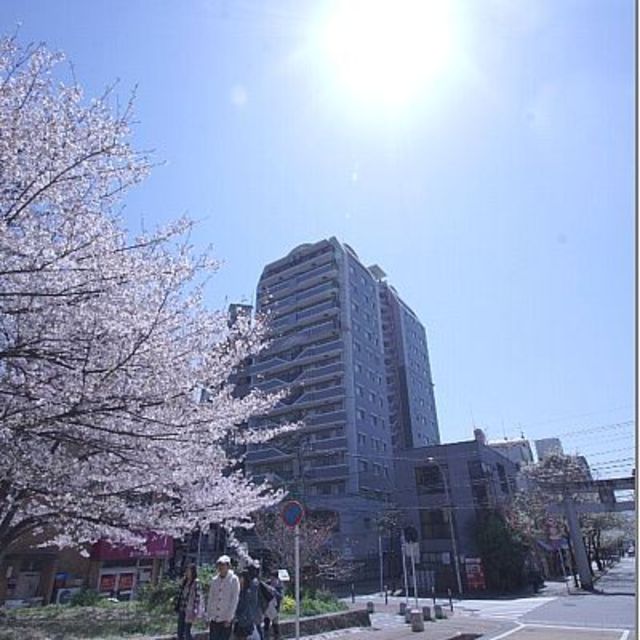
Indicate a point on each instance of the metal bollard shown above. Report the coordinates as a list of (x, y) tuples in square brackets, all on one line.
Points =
[(386, 594), (450, 600), (353, 593), (439, 612), (407, 616), (402, 608), (417, 623), (433, 595), (370, 607), (426, 612)]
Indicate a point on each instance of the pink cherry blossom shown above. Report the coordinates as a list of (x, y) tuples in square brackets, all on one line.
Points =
[(105, 344)]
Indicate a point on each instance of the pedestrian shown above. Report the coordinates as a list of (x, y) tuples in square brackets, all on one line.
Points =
[(272, 613), (189, 602), (223, 600), (265, 595), (247, 609)]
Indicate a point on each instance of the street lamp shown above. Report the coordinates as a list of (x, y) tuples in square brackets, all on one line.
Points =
[(454, 546)]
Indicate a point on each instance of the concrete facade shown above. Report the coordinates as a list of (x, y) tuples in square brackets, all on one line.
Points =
[(412, 406), (547, 446), (324, 315), (354, 359), (478, 478)]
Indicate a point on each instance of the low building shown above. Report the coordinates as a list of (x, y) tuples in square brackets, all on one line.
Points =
[(35, 576), (517, 450), (547, 446), (454, 481)]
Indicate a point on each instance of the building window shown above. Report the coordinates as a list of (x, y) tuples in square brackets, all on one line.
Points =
[(360, 413), (359, 390), (476, 470), (480, 495), (434, 524), (362, 439), (502, 476), (429, 479), (363, 466)]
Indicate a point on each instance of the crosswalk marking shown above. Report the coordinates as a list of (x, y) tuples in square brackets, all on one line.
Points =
[(503, 610)]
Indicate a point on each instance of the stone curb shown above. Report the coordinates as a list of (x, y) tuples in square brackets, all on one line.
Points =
[(309, 626)]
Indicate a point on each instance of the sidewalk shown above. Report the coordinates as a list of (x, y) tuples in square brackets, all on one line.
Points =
[(386, 625)]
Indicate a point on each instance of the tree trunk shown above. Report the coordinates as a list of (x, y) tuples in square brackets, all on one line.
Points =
[(597, 555)]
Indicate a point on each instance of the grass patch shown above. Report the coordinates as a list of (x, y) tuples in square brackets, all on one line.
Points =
[(106, 621), (118, 620)]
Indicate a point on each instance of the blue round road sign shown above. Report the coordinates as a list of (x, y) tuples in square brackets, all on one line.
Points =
[(292, 513)]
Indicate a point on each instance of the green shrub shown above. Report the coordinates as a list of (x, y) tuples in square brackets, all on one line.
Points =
[(288, 605), (84, 598), (205, 575), (313, 606), (160, 597)]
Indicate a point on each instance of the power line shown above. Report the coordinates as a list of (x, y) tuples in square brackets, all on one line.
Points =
[(575, 416)]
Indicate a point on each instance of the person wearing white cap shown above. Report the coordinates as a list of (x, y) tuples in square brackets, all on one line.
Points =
[(223, 600)]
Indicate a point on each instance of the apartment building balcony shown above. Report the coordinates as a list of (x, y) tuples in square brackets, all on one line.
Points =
[(303, 399), (297, 265), (304, 314), (299, 350), (330, 444), (327, 473), (313, 373), (321, 294), (326, 418), (266, 453), (294, 292), (295, 323)]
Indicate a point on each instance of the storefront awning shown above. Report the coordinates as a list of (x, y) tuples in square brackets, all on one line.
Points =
[(156, 546)]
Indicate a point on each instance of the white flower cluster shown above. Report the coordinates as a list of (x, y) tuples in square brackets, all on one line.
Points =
[(104, 339)]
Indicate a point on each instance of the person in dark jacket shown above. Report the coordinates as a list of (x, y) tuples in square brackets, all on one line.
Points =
[(272, 611), (247, 610)]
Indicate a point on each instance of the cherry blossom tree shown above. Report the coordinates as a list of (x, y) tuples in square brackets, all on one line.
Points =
[(316, 530), (105, 342)]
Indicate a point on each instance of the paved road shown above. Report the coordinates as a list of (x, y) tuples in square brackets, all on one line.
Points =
[(612, 606), (607, 614)]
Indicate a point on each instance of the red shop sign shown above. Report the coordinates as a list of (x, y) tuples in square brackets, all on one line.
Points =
[(107, 582), (125, 583)]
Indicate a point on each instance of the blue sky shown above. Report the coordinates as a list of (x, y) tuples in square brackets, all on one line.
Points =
[(500, 202)]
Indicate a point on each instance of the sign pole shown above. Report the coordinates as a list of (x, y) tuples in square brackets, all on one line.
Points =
[(297, 578), (413, 569), (404, 569), (292, 514), (381, 557)]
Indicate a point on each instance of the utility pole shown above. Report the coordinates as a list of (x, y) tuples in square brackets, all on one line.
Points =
[(454, 545)]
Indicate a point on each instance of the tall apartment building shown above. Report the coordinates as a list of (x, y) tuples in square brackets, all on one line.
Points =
[(412, 406), (325, 311)]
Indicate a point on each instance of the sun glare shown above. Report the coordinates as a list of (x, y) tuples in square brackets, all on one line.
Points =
[(386, 52)]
